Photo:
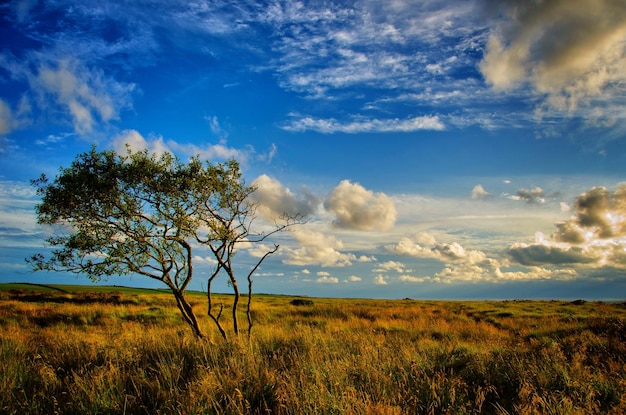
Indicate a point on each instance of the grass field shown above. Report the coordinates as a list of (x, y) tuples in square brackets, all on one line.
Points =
[(109, 350)]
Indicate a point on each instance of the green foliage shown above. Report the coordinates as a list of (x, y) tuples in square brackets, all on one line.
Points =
[(140, 214), (133, 214)]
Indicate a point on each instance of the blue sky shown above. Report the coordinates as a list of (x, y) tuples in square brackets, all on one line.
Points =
[(442, 149)]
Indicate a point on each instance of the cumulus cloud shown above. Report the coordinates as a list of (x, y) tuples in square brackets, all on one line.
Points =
[(256, 249), (358, 208), (380, 280), (603, 212), (317, 249), (365, 258), (446, 252), (594, 236), (479, 192), (212, 152), (391, 266), (492, 272), (544, 252), (135, 142), (326, 278), (410, 278), (599, 214), (407, 247), (276, 200), (571, 50), (463, 265), (534, 195), (205, 260), (331, 125)]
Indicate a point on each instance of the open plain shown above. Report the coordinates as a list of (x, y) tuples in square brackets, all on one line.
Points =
[(111, 350)]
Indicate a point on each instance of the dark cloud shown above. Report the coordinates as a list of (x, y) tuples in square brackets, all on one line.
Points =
[(540, 254), (568, 232), (571, 51), (534, 195), (592, 237), (602, 211)]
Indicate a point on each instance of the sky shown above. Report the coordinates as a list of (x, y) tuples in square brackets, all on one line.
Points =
[(441, 149)]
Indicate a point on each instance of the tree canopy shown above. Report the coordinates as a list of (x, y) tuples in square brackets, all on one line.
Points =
[(141, 213)]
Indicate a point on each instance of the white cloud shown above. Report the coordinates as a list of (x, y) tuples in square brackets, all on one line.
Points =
[(135, 142), (275, 200), (18, 221), (86, 95), (353, 278), (446, 252), (317, 249), (460, 264), (391, 266), (11, 119), (409, 278), (364, 125), (358, 208), (204, 260), (212, 152), (215, 127), (408, 247), (380, 280), (390, 45), (256, 249), (325, 279), (425, 238), (158, 145), (365, 258), (479, 192)]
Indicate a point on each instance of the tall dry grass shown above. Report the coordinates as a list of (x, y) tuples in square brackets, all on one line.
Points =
[(68, 354)]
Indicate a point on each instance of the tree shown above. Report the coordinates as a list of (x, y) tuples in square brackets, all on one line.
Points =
[(143, 214)]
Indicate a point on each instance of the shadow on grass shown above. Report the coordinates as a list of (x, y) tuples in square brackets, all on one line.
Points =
[(64, 297)]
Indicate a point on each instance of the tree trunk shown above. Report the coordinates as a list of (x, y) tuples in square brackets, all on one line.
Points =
[(235, 305), (215, 318), (187, 312)]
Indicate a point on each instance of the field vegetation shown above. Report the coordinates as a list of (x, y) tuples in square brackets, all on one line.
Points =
[(118, 351)]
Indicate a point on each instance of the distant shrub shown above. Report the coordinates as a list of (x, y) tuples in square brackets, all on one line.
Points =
[(301, 301)]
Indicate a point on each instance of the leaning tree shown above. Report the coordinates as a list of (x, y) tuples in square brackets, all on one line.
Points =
[(145, 214)]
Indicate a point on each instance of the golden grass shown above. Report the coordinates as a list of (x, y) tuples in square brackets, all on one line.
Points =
[(131, 354)]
